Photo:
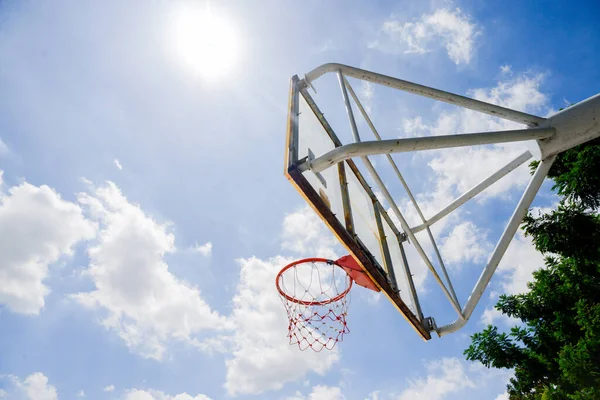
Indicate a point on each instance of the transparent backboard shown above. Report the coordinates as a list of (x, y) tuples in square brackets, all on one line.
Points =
[(343, 199)]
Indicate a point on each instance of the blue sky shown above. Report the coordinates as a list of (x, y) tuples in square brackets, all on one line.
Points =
[(144, 212)]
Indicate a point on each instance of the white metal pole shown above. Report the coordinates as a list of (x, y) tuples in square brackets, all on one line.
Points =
[(505, 239), (436, 94), (370, 148), (475, 190), (353, 126)]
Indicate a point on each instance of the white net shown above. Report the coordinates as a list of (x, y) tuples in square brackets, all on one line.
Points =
[(315, 293)]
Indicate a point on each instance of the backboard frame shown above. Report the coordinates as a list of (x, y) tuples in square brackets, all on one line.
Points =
[(382, 275)]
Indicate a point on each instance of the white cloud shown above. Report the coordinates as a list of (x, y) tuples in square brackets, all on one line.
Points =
[(81, 393), (522, 93), (145, 304), (204, 249), (465, 243), (515, 271), (451, 29), (327, 46), (297, 396), (373, 297), (37, 388), (491, 316), (429, 203), (418, 269), (414, 127), (109, 388), (262, 358), (326, 393), (453, 168), (539, 211), (503, 396), (373, 396), (321, 392), (457, 33), (305, 234), (506, 69), (444, 377), (450, 376), (518, 264), (3, 148), (37, 227), (136, 394), (452, 172), (367, 93), (380, 197), (34, 387), (118, 164)]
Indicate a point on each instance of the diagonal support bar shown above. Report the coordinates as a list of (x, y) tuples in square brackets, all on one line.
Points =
[(475, 190), (505, 239)]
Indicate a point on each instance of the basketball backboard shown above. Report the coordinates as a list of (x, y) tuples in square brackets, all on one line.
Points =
[(339, 189), (349, 207)]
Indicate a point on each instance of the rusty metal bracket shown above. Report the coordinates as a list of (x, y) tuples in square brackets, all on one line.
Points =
[(429, 324)]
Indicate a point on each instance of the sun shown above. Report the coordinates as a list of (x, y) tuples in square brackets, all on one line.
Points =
[(205, 41)]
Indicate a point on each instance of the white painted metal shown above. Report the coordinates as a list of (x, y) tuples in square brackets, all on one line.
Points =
[(411, 285), (447, 97), (574, 125), (348, 108), (509, 232), (474, 191), (375, 147), (406, 188), (411, 236), (392, 203)]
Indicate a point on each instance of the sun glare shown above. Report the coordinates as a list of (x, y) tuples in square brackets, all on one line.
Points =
[(206, 42)]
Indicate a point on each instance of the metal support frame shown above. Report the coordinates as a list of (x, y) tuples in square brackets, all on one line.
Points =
[(411, 284), (509, 232), (425, 91), (375, 147), (406, 188), (475, 190), (557, 133), (321, 206), (387, 259), (401, 237), (375, 176), (349, 221)]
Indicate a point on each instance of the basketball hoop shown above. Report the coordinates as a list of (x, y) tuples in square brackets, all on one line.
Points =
[(315, 293)]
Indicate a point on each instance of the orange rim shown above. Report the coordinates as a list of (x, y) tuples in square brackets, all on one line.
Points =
[(340, 296)]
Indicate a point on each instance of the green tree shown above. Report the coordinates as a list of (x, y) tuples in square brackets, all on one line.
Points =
[(555, 352)]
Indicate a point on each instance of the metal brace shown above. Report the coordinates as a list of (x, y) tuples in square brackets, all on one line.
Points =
[(403, 237), (310, 157), (429, 324)]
